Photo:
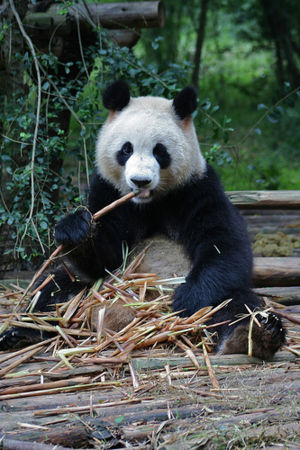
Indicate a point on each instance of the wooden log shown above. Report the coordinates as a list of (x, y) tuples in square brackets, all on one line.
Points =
[(287, 295), (215, 360), (73, 435), (265, 199), (147, 14), (14, 444), (286, 431), (124, 38), (272, 271), (108, 15)]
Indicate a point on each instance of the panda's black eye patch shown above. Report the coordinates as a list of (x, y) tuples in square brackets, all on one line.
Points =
[(162, 156), (124, 154)]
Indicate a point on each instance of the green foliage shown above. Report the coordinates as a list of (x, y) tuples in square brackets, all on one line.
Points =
[(16, 177), (3, 29)]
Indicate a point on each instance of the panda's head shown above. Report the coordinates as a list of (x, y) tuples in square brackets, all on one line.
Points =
[(148, 142)]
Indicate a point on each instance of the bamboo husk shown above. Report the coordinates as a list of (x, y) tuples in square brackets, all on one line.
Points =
[(153, 324)]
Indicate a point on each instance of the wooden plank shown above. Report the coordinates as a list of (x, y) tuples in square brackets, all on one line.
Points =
[(273, 271), (108, 15), (216, 360), (147, 14), (124, 38), (287, 295), (265, 199), (14, 444)]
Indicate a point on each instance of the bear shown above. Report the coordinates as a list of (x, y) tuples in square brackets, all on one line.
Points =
[(150, 144)]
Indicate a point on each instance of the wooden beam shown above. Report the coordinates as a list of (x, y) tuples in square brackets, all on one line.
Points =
[(216, 360), (124, 38), (147, 14), (287, 295), (115, 16), (265, 199), (283, 271)]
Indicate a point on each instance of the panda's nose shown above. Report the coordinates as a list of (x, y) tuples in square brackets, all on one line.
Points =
[(140, 182)]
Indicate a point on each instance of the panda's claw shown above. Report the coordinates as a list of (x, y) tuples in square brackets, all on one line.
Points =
[(272, 327), (271, 323)]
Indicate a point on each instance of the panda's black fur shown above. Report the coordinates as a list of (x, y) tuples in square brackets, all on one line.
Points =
[(195, 213)]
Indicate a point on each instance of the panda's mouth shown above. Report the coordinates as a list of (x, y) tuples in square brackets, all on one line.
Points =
[(144, 196)]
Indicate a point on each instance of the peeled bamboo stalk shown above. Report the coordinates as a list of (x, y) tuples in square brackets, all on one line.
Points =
[(96, 216)]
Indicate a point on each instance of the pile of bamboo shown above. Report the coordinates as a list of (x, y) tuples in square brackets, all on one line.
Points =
[(80, 324)]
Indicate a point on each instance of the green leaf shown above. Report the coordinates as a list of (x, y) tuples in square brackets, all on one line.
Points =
[(44, 225), (119, 419), (261, 106)]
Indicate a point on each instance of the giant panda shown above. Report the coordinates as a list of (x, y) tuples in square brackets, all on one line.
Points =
[(150, 143)]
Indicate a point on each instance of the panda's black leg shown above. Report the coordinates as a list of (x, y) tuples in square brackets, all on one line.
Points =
[(19, 337), (59, 290)]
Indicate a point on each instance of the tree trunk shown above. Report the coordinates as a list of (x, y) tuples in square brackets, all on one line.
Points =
[(276, 20), (200, 40), (11, 68), (11, 71)]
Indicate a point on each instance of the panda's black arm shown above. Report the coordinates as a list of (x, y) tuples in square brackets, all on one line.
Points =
[(220, 266), (216, 240), (94, 247)]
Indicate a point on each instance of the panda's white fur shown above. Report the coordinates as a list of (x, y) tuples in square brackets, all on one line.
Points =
[(144, 123)]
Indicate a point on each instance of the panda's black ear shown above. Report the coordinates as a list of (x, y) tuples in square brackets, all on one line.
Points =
[(185, 102), (116, 96)]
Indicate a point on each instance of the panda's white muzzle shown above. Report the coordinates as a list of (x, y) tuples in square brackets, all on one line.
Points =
[(142, 173)]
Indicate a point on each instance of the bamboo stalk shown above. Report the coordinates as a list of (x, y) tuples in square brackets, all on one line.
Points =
[(210, 370), (25, 350), (289, 317), (96, 216), (85, 409), (19, 361), (43, 284), (54, 390), (51, 328), (37, 275), (44, 386)]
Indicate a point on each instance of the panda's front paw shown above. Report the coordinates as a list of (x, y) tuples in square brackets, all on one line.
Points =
[(75, 228), (187, 300)]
